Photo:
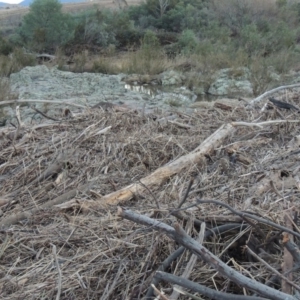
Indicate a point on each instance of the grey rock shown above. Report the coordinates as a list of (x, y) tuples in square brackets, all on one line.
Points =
[(232, 81), (172, 78), (41, 83)]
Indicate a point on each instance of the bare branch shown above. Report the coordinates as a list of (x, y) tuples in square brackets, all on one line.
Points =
[(202, 289), (180, 236)]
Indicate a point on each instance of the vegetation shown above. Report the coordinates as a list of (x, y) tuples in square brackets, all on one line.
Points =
[(208, 35)]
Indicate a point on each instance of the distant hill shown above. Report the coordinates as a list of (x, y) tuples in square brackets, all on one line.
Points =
[(28, 2)]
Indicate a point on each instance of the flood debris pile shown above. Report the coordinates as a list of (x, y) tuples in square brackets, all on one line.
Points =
[(119, 204)]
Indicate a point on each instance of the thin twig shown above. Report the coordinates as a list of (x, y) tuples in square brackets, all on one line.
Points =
[(272, 269), (243, 215), (160, 294), (187, 192), (43, 114), (58, 270)]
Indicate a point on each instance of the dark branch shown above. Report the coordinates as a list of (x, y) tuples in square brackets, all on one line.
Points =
[(203, 290), (180, 236)]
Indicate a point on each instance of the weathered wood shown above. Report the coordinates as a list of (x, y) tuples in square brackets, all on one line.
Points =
[(162, 174), (268, 93)]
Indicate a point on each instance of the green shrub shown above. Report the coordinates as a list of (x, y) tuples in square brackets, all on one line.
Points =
[(45, 27), (92, 29), (188, 42)]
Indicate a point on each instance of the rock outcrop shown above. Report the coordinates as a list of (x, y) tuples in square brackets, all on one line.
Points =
[(88, 89), (231, 82)]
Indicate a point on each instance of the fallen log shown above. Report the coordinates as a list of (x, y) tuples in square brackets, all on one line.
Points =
[(164, 173)]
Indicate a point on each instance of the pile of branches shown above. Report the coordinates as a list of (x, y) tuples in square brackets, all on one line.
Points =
[(115, 203)]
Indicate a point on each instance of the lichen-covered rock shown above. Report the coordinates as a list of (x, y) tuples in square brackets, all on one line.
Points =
[(231, 81), (171, 78), (41, 83)]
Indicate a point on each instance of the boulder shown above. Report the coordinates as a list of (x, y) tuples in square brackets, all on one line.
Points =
[(231, 81), (172, 78)]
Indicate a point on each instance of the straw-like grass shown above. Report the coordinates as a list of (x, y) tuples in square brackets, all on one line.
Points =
[(83, 250)]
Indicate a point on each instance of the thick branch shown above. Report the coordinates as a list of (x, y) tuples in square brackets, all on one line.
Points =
[(164, 173), (179, 235), (268, 93), (208, 292)]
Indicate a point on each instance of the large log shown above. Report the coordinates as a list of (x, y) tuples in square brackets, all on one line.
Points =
[(162, 174)]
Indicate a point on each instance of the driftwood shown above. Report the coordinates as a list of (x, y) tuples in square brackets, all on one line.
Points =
[(268, 93), (180, 236), (162, 174)]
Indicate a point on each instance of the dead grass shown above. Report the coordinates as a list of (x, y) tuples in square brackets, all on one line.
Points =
[(101, 256)]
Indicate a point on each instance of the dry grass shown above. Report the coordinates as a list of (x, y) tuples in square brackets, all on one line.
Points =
[(100, 256)]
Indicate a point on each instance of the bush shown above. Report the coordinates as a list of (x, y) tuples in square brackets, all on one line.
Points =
[(91, 29), (188, 42), (45, 27), (17, 60), (5, 46)]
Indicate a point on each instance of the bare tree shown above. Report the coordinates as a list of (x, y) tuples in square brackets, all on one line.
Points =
[(163, 5)]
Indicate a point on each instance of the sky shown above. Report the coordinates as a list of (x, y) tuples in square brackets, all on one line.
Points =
[(11, 1)]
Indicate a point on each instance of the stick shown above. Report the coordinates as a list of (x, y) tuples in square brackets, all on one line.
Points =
[(180, 236), (43, 114), (186, 193), (213, 294), (266, 123), (288, 261), (243, 214), (187, 272), (268, 93), (58, 270)]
